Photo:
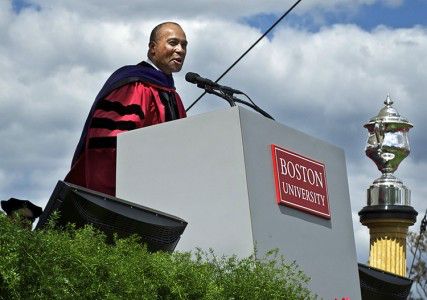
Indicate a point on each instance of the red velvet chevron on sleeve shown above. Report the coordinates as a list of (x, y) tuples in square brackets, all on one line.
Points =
[(129, 107)]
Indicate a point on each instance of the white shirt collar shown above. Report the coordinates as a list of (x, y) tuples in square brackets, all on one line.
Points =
[(151, 63)]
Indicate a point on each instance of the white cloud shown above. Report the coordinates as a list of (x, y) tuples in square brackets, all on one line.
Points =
[(361, 235)]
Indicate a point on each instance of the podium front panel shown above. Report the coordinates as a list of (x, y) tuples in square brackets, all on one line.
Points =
[(215, 171), (194, 169)]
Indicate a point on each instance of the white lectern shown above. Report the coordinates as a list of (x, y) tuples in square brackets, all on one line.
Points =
[(218, 172)]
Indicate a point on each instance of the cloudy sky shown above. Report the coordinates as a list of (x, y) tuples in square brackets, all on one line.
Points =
[(326, 69)]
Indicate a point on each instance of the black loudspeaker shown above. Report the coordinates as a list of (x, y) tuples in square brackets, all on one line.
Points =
[(81, 206), (377, 284)]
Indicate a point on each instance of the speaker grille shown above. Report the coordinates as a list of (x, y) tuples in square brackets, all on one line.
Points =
[(158, 230)]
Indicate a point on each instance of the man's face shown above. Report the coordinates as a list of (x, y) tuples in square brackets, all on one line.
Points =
[(169, 49)]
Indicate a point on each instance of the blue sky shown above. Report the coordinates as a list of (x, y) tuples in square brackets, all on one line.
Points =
[(19, 5), (368, 17), (410, 13)]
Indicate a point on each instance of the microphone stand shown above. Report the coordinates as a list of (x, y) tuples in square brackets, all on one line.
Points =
[(231, 99), (224, 95)]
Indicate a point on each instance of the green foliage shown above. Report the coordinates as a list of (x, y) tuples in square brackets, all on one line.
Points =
[(78, 264)]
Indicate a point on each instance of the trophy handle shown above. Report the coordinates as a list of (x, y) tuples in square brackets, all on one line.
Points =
[(379, 133)]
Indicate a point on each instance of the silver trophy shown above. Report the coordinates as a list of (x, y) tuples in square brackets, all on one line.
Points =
[(388, 213), (387, 146)]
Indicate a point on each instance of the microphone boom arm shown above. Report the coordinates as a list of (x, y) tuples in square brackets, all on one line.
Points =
[(232, 99), (254, 107), (228, 97)]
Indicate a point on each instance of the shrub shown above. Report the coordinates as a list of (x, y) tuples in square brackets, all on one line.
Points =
[(78, 264)]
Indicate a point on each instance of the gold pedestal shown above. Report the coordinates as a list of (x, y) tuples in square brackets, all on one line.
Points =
[(388, 245), (388, 226)]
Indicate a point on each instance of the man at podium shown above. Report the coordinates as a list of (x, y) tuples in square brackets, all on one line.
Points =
[(134, 96)]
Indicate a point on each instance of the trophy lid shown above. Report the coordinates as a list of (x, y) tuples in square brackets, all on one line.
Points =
[(389, 116)]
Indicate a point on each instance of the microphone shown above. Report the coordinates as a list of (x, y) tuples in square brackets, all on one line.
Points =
[(207, 83), (225, 92), (197, 79)]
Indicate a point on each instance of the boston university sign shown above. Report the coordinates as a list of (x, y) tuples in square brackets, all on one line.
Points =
[(300, 182)]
